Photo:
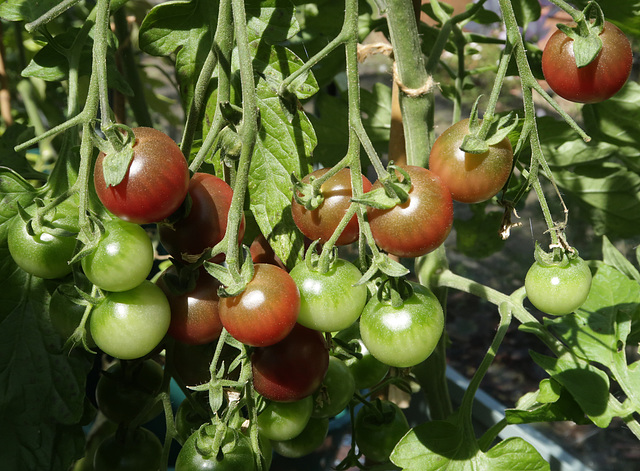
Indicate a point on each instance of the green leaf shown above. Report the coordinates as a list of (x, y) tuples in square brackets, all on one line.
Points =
[(25, 10), (43, 389), (14, 135), (612, 256), (526, 11), (183, 28), (271, 21), (553, 403), (609, 192), (15, 191), (282, 148), (573, 373), (273, 64), (616, 119), (444, 445), (484, 16)]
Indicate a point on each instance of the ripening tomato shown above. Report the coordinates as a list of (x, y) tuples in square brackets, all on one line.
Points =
[(266, 311), (293, 368), (471, 178), (597, 81), (206, 223), (155, 184), (320, 223), (420, 224)]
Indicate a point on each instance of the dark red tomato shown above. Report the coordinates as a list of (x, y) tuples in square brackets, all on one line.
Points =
[(266, 311), (293, 368), (206, 223), (320, 223), (194, 314), (155, 184), (421, 223), (471, 178), (600, 79)]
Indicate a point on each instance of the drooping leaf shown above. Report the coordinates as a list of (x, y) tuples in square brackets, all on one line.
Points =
[(612, 256), (272, 21), (283, 147), (526, 11), (14, 191)]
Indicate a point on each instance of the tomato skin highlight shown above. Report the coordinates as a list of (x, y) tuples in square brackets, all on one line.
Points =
[(266, 311), (406, 335), (558, 290), (600, 79), (419, 225), (320, 223), (155, 184), (206, 223), (471, 178), (130, 324), (293, 368)]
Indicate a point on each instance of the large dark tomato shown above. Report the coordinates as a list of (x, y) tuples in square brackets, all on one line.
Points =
[(471, 178), (293, 368), (320, 223), (266, 311), (600, 79), (139, 450), (406, 335), (378, 430), (194, 314), (206, 223), (155, 184), (420, 224)]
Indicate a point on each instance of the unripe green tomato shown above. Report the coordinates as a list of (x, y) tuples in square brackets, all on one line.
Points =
[(336, 391), (558, 289), (285, 420)]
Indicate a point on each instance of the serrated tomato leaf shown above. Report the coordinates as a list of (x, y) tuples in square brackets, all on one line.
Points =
[(272, 21), (283, 148)]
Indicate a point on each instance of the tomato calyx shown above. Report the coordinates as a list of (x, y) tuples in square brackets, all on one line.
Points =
[(232, 284), (585, 34), (118, 150), (180, 279), (488, 132), (215, 439), (556, 258), (308, 194), (393, 191), (395, 291)]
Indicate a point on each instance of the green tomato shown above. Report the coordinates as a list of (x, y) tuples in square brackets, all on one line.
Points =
[(285, 420), (45, 254), (558, 289), (130, 324), (234, 454), (403, 336), (336, 391), (140, 450), (329, 301), (123, 258), (378, 431), (307, 441), (367, 371)]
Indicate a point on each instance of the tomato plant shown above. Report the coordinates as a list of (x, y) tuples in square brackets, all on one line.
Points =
[(600, 79), (285, 420), (420, 224), (194, 313), (329, 301), (266, 311), (379, 428), (155, 183), (189, 417), (125, 390), (206, 221), (558, 288), (130, 324), (65, 315), (403, 335), (45, 253), (122, 260), (139, 450), (321, 222), (293, 368), (471, 178)]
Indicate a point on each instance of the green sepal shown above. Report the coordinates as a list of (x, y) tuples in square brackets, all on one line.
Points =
[(586, 34), (306, 194), (392, 193)]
